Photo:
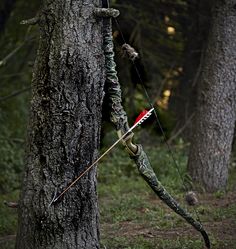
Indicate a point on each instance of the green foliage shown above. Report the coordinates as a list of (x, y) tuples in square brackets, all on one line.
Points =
[(219, 194), (8, 216), (11, 164), (232, 173), (167, 121), (18, 51), (8, 221), (132, 216), (224, 213), (142, 243)]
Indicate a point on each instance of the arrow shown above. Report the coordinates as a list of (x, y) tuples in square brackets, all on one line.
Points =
[(140, 119)]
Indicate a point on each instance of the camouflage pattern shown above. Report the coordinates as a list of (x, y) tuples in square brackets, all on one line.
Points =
[(136, 152), (106, 12), (146, 171), (117, 114)]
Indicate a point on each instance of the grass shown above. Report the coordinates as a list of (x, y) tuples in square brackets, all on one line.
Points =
[(8, 221), (8, 216), (143, 243), (131, 215)]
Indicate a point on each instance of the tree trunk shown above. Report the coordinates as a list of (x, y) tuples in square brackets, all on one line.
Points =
[(215, 117), (64, 129)]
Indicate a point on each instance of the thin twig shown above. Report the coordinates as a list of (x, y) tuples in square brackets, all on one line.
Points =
[(12, 53), (14, 94), (199, 69), (6, 76), (6, 238), (11, 204), (31, 21), (4, 60), (15, 140), (181, 129)]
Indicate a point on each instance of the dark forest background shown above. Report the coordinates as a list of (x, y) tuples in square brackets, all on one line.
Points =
[(170, 37)]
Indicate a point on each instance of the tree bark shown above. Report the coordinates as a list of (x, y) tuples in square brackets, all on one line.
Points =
[(215, 116), (64, 129)]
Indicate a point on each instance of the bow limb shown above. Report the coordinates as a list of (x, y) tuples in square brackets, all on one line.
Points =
[(119, 118), (112, 87), (146, 171)]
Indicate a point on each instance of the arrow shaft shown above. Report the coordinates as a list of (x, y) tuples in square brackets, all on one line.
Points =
[(92, 165), (105, 153)]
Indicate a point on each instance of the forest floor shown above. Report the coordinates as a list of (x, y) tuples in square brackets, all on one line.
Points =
[(132, 217), (218, 216)]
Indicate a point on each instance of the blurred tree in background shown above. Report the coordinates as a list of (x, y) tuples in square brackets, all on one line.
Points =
[(215, 117)]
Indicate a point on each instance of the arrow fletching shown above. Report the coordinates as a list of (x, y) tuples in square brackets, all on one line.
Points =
[(140, 116), (143, 116)]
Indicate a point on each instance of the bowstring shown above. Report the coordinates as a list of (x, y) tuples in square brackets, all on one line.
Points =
[(157, 119)]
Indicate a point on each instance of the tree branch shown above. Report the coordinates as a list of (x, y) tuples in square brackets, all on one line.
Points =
[(181, 129), (14, 94), (31, 21), (15, 140), (11, 204), (4, 60), (12, 53)]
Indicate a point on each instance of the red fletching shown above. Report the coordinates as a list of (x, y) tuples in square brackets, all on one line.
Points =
[(140, 116)]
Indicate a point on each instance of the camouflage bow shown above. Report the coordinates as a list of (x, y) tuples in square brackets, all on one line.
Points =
[(119, 118)]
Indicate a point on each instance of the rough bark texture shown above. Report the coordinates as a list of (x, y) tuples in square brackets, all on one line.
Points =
[(215, 117), (64, 129)]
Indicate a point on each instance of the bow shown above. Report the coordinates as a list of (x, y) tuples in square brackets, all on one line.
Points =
[(119, 118)]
